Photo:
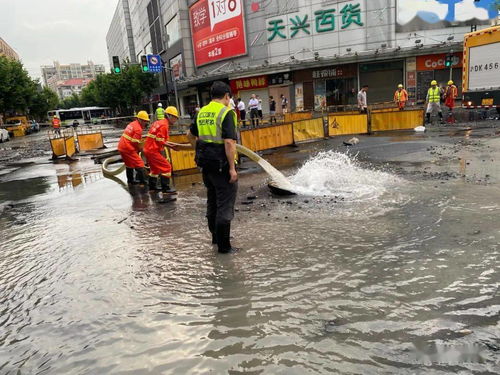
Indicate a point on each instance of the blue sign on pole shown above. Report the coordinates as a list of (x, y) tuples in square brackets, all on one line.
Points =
[(155, 64)]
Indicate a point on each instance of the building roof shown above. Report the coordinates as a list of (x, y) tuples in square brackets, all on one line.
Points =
[(75, 82)]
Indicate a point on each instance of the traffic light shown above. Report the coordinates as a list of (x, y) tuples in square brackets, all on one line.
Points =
[(116, 65), (448, 62), (144, 63)]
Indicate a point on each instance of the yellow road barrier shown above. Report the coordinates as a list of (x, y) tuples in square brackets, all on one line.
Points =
[(296, 116), (90, 141), (395, 119), (58, 147), (308, 129), (341, 124), (184, 159), (69, 144), (266, 138)]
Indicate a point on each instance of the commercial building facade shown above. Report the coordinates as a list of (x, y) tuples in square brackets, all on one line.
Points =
[(120, 39), (7, 51), (316, 53)]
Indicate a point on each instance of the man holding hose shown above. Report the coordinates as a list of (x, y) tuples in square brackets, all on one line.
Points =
[(214, 136)]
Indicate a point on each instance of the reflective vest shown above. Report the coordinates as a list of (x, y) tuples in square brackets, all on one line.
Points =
[(130, 140), (434, 95), (56, 123), (401, 96), (209, 122), (157, 136), (160, 113)]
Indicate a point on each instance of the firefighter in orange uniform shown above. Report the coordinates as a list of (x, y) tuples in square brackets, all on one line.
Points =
[(401, 97), (56, 124), (156, 141), (129, 147), (450, 95)]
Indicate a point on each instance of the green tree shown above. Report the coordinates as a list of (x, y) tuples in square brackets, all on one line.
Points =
[(16, 88), (71, 101), (43, 101)]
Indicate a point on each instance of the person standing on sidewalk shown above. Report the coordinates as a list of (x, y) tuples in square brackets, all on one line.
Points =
[(214, 134), (259, 108), (129, 147), (450, 95), (253, 107), (284, 104), (272, 110), (433, 100), (401, 97), (243, 113), (156, 142), (362, 99)]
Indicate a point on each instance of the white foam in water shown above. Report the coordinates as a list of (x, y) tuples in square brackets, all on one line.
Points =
[(332, 173)]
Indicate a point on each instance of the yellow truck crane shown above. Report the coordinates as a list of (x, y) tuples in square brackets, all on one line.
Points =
[(481, 69)]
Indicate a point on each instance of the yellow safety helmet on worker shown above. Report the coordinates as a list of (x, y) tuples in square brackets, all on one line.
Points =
[(434, 82), (450, 82), (143, 115), (400, 86), (171, 110)]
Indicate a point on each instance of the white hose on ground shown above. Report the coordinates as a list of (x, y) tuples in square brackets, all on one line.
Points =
[(112, 172)]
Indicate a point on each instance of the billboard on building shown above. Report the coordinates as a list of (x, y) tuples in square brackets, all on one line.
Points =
[(415, 15), (176, 65), (218, 30)]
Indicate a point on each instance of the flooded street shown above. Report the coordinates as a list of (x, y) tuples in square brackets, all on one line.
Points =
[(388, 262)]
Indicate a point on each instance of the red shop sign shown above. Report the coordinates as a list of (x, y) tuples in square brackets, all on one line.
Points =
[(248, 83), (435, 62), (218, 30)]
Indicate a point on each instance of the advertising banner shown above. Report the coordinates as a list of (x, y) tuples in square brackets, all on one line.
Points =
[(413, 15), (218, 30), (436, 62), (176, 65)]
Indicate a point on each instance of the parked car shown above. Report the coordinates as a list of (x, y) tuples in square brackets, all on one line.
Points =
[(35, 126), (4, 135)]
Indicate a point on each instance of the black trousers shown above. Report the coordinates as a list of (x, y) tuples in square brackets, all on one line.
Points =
[(221, 197), (254, 115)]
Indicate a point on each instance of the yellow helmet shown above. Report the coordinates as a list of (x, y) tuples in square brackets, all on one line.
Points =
[(171, 110), (143, 115), (400, 86), (434, 82), (450, 82)]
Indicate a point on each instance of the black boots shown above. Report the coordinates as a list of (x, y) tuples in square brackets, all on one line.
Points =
[(427, 118), (165, 185), (441, 117), (223, 232), (139, 174), (211, 227), (130, 176), (153, 183)]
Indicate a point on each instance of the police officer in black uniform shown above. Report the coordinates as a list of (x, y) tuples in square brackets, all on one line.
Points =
[(214, 136)]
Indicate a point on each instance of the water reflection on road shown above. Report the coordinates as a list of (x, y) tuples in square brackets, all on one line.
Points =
[(97, 280)]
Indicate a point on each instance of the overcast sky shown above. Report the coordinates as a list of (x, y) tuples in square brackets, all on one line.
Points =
[(70, 31)]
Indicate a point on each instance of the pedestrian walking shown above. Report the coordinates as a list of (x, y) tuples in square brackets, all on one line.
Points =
[(243, 112), (284, 104), (160, 112), (450, 95), (272, 110), (253, 107), (154, 147), (130, 145), (214, 136), (401, 97), (56, 125), (259, 108), (433, 100), (362, 99)]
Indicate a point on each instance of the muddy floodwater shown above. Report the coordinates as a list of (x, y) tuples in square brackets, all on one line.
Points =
[(386, 263)]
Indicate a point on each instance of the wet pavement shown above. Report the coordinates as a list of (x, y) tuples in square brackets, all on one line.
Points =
[(388, 264)]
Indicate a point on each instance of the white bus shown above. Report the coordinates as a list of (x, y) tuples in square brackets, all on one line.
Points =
[(84, 115)]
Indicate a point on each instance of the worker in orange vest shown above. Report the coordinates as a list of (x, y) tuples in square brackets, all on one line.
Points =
[(156, 142), (56, 124), (401, 97), (450, 95), (129, 147)]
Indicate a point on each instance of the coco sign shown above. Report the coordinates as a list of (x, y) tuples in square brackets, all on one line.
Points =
[(436, 62)]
